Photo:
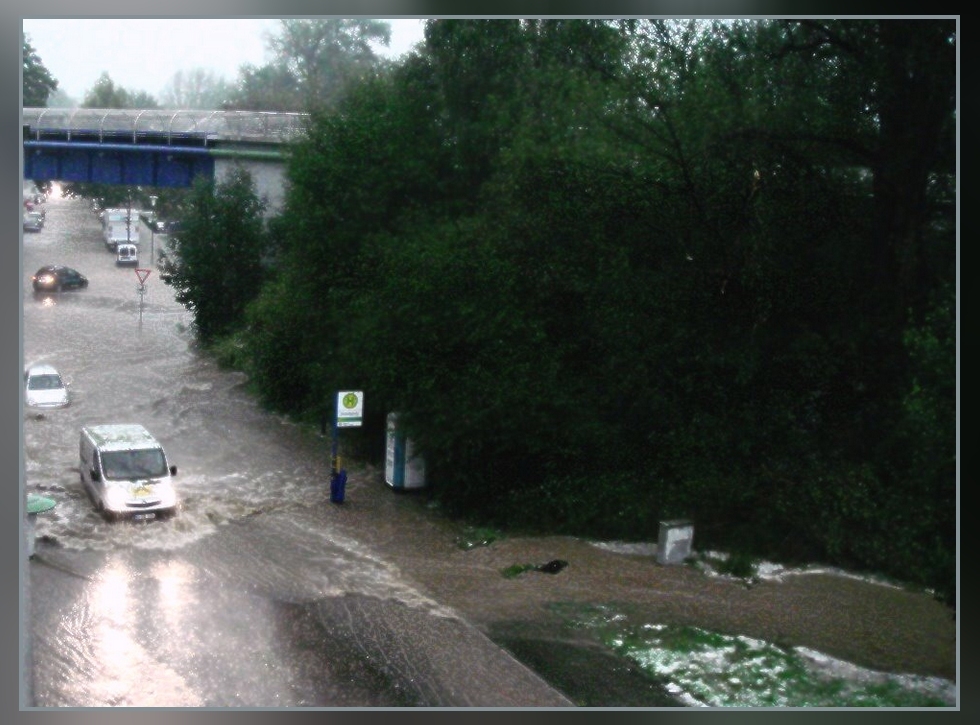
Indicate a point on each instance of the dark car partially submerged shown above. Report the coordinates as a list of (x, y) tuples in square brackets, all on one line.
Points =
[(56, 277)]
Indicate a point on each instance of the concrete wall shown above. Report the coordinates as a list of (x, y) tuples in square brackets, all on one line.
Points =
[(268, 175)]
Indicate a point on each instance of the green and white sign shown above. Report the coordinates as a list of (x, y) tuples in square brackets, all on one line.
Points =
[(350, 408)]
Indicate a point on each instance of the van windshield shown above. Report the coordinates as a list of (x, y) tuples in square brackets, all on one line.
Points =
[(149, 463)]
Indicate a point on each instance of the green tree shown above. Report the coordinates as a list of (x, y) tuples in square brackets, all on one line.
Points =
[(479, 67), (142, 99), (789, 146), (216, 265), (313, 62), (611, 271), (361, 171), (60, 99), (265, 88), (106, 94), (198, 89), (325, 56), (39, 84)]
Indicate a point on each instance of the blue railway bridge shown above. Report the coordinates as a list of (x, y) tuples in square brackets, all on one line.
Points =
[(162, 148)]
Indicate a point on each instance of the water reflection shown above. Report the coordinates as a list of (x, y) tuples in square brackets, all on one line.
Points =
[(109, 638)]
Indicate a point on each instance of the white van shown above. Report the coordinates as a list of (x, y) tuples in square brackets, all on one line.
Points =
[(120, 226), (127, 254), (126, 472), (117, 233)]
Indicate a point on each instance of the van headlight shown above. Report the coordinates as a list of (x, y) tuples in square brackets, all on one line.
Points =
[(115, 498)]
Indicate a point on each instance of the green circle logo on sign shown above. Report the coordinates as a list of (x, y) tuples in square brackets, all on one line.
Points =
[(350, 400)]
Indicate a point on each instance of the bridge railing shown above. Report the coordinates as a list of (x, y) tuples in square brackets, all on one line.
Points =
[(207, 126)]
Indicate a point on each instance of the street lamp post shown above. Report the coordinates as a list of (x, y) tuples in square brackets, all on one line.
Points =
[(153, 226)]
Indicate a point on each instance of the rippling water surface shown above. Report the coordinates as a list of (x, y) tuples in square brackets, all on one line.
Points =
[(249, 596), (127, 364)]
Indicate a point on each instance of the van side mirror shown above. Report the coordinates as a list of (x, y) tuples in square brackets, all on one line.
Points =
[(173, 470), (94, 474)]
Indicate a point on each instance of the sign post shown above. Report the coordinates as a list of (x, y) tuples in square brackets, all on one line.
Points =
[(349, 411), (141, 274)]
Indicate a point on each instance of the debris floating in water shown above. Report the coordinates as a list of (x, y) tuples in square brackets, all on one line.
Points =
[(552, 567)]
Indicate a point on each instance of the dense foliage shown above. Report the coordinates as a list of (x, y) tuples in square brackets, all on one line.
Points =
[(107, 94), (616, 272), (313, 62), (216, 265), (38, 83)]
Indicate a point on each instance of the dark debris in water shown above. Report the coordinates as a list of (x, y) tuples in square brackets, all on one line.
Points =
[(551, 567)]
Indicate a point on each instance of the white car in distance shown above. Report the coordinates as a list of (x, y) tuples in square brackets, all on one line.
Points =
[(45, 388)]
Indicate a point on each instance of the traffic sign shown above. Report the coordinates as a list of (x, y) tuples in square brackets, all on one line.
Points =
[(350, 408), (142, 274)]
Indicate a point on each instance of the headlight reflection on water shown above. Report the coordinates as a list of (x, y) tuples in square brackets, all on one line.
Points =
[(129, 617), (175, 597)]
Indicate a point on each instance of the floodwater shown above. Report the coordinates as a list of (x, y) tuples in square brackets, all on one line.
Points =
[(128, 362), (254, 594)]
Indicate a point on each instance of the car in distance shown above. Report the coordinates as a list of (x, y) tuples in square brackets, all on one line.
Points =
[(56, 277), (127, 254), (44, 387), (125, 471), (33, 221)]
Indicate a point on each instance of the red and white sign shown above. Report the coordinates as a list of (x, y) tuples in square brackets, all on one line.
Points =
[(142, 274)]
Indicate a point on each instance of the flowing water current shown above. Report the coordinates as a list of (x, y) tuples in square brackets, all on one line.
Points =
[(247, 597)]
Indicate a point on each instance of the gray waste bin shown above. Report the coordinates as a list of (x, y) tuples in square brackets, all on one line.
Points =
[(674, 543)]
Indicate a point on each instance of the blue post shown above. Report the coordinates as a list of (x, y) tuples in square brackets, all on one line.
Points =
[(333, 454), (338, 479), (338, 484)]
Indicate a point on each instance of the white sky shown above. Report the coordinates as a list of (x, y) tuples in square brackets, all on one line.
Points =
[(143, 55)]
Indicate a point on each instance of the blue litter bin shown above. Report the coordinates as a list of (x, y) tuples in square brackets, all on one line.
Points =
[(338, 485)]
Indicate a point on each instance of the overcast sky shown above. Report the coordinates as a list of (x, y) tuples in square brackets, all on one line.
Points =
[(143, 55)]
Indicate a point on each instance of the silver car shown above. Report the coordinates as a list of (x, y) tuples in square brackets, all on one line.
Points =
[(33, 221), (44, 388)]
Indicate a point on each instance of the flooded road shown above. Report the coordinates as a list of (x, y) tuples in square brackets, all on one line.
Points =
[(256, 594)]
